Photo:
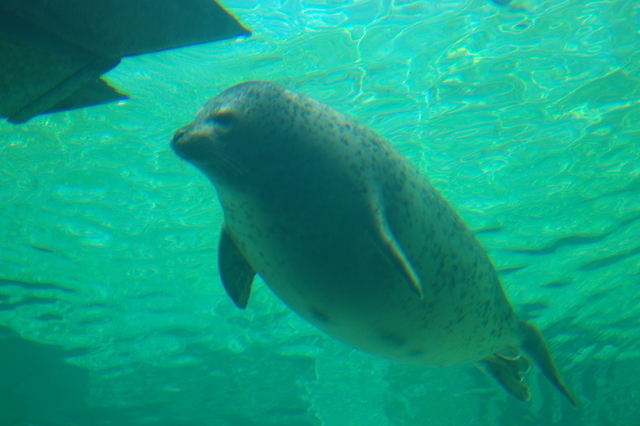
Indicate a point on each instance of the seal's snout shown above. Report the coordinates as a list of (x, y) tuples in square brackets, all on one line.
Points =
[(179, 140), (177, 136), (195, 146)]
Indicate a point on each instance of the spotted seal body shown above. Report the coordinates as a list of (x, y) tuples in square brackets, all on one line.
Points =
[(351, 236)]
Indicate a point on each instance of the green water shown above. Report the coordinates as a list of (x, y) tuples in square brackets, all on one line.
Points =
[(527, 118)]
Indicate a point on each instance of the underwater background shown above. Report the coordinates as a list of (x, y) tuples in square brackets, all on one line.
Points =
[(526, 117)]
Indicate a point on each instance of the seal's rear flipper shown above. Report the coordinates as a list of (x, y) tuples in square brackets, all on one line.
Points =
[(508, 372), (235, 272), (533, 343)]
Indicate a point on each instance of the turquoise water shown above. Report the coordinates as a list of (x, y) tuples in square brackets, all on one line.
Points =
[(525, 117)]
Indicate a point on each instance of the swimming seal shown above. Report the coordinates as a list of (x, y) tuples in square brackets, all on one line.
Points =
[(352, 236)]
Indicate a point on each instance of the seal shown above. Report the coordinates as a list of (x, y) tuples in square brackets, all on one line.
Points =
[(352, 236)]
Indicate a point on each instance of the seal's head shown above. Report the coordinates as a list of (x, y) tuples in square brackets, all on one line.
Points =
[(241, 125)]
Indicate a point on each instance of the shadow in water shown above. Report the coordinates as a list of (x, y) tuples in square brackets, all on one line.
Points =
[(37, 387)]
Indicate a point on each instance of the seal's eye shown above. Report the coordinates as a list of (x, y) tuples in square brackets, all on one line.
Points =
[(225, 116)]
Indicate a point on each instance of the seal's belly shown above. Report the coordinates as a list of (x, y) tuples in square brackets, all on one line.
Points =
[(337, 280)]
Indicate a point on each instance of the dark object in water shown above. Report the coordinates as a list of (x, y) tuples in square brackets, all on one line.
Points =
[(37, 385), (53, 52)]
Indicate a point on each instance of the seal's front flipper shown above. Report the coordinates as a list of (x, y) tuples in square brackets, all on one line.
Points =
[(386, 242), (508, 372), (533, 343), (236, 273)]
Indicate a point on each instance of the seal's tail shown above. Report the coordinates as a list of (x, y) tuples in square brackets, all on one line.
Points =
[(534, 345), (508, 372)]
